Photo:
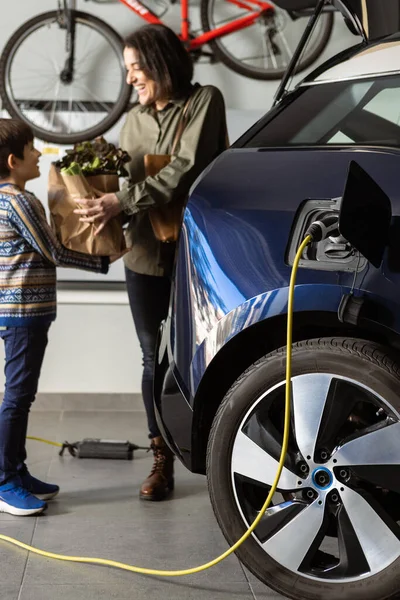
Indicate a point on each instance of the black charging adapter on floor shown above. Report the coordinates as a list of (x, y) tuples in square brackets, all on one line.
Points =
[(99, 448)]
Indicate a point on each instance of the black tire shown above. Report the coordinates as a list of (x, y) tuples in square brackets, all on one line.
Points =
[(221, 53), (117, 109), (349, 358)]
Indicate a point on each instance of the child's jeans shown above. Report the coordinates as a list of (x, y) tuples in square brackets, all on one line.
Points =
[(24, 350)]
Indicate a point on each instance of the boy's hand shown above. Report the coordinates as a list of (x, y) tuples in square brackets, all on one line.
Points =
[(115, 257), (99, 209)]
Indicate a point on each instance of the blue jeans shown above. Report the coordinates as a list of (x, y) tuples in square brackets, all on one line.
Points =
[(149, 300), (24, 352)]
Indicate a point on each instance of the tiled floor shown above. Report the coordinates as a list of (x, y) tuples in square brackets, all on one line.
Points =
[(99, 514)]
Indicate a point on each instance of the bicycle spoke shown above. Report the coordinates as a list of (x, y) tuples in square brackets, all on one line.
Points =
[(82, 106), (87, 38), (287, 47), (37, 93), (53, 112), (69, 111), (89, 91), (32, 73), (269, 50), (42, 91), (57, 68), (266, 50), (80, 74), (86, 57), (47, 106), (41, 57), (23, 78), (51, 86)]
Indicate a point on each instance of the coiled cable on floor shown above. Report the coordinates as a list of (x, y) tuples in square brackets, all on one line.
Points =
[(246, 535)]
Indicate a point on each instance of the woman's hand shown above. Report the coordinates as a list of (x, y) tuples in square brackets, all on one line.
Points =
[(99, 209)]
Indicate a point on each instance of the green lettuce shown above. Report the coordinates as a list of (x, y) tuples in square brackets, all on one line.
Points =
[(94, 158)]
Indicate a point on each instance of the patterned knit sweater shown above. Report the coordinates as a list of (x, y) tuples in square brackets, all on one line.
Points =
[(29, 254)]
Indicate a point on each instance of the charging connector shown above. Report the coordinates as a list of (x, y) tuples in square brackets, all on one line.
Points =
[(328, 226)]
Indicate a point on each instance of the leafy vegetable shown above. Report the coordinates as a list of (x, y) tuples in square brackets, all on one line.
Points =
[(94, 158), (73, 169)]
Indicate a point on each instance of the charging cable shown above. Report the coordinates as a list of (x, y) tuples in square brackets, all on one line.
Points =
[(39, 439), (316, 232)]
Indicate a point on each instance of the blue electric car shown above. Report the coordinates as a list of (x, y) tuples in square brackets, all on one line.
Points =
[(330, 147)]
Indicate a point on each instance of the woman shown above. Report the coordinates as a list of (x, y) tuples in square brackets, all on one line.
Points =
[(161, 71)]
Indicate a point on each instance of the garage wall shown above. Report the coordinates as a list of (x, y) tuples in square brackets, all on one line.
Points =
[(93, 347), (240, 92)]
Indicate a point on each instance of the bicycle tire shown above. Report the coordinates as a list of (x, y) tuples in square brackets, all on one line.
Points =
[(221, 53), (9, 104)]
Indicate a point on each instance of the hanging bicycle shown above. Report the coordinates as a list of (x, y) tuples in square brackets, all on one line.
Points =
[(63, 72)]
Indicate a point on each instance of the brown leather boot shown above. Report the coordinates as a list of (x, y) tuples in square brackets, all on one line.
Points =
[(160, 482)]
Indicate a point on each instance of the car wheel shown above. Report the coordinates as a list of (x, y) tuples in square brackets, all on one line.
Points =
[(332, 531)]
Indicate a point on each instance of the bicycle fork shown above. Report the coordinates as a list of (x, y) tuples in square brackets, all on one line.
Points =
[(67, 21)]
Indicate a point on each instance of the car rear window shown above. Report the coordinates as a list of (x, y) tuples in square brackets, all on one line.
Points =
[(361, 112)]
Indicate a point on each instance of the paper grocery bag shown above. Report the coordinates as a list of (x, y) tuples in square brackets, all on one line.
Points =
[(63, 194)]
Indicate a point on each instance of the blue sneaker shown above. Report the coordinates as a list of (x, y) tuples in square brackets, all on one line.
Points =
[(40, 489), (16, 500)]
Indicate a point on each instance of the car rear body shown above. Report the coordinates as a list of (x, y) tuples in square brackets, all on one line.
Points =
[(229, 300)]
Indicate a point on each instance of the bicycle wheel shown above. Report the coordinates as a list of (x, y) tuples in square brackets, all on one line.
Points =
[(264, 49), (59, 110)]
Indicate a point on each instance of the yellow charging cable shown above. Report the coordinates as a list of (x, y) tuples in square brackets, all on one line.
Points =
[(38, 439), (212, 563)]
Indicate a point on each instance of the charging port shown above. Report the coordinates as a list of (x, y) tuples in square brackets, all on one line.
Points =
[(334, 253)]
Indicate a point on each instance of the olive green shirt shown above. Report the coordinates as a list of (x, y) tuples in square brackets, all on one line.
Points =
[(147, 131)]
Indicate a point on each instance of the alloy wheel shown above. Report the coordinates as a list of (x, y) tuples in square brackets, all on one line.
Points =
[(336, 516)]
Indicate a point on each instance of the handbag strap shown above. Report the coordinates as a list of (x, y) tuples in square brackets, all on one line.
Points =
[(181, 125)]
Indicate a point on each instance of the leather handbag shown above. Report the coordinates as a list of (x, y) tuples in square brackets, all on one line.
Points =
[(166, 220)]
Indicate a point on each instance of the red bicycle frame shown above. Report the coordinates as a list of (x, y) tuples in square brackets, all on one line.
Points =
[(194, 43)]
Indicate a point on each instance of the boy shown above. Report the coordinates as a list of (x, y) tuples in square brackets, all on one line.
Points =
[(29, 254)]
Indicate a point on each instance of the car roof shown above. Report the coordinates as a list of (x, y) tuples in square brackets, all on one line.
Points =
[(366, 60)]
